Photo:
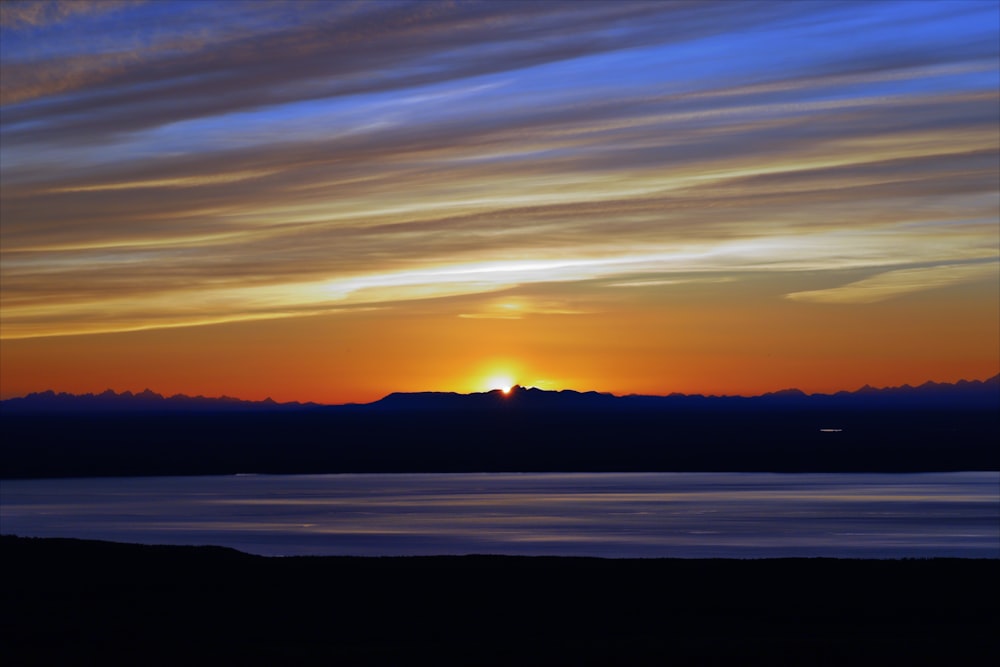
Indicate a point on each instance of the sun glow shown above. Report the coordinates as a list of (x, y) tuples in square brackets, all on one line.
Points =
[(502, 382)]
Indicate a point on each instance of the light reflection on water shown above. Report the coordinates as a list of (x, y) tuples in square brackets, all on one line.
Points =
[(683, 515)]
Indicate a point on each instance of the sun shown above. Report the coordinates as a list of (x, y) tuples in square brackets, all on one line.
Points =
[(502, 382)]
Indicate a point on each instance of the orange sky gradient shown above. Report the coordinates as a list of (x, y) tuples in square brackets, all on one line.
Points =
[(685, 342)]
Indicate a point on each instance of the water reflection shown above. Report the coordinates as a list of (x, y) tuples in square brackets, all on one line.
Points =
[(594, 514)]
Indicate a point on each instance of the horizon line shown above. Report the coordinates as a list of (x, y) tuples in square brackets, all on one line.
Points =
[(513, 388)]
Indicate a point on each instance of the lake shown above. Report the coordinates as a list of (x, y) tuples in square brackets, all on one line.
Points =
[(678, 515)]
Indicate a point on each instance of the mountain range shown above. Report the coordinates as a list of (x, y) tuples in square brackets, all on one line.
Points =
[(964, 393), (932, 427)]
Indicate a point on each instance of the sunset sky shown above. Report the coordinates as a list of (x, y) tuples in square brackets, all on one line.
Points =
[(331, 201)]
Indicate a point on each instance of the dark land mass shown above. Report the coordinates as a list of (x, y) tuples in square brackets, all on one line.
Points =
[(933, 427), (72, 602)]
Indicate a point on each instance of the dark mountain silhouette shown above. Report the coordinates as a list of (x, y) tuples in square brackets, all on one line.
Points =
[(899, 429), (517, 398), (982, 393), (145, 401), (966, 393)]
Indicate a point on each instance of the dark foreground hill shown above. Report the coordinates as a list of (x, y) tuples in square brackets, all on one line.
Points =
[(934, 427), (71, 602)]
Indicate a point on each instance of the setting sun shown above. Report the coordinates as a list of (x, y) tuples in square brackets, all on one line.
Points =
[(501, 382)]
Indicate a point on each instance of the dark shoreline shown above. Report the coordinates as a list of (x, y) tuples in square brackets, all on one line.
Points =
[(85, 602)]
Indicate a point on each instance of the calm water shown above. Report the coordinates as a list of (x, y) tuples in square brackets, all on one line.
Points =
[(686, 515)]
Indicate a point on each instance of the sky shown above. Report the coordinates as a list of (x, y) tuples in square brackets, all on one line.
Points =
[(331, 201)]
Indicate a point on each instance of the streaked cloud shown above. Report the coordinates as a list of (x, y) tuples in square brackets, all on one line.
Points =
[(212, 162), (19, 14), (177, 181), (516, 307), (897, 283)]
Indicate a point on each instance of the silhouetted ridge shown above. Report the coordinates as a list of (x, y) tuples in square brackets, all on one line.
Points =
[(964, 393), (517, 397), (901, 429), (146, 401)]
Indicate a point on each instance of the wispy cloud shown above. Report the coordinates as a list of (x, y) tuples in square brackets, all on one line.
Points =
[(20, 14), (897, 283), (207, 162), (517, 307)]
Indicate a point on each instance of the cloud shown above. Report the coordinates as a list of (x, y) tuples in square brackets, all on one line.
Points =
[(279, 57), (385, 47), (517, 307), (892, 284), (20, 14), (312, 157)]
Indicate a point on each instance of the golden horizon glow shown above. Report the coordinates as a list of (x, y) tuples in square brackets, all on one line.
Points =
[(501, 381)]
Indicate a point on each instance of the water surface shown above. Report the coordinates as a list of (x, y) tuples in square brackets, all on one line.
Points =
[(685, 515)]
